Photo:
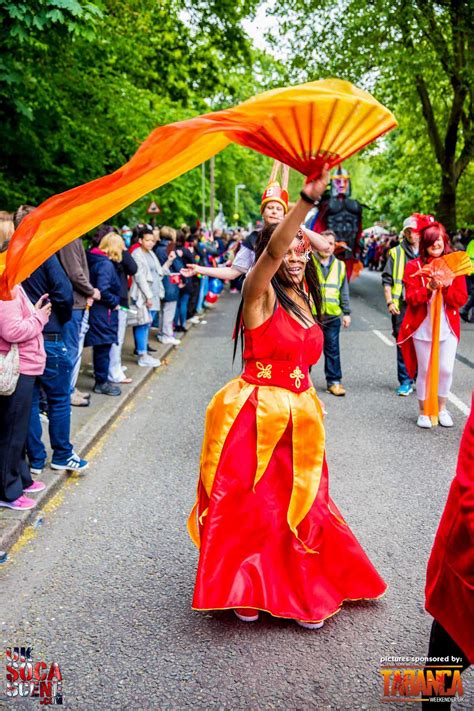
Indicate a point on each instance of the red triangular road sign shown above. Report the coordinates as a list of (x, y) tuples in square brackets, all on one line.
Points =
[(153, 208)]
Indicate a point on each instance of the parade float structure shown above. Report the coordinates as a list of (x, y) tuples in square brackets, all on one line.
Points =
[(304, 127)]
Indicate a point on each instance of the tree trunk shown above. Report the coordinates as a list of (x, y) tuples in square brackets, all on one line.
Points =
[(446, 208)]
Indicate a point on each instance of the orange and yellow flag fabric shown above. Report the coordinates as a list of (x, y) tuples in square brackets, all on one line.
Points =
[(303, 126)]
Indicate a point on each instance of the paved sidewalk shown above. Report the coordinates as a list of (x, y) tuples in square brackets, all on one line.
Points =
[(88, 423)]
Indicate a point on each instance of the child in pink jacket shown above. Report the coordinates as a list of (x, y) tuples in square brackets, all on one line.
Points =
[(20, 323)]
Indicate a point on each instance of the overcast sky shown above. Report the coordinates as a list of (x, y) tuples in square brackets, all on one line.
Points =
[(262, 23)]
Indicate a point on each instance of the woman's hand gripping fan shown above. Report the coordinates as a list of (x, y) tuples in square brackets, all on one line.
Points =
[(442, 270)]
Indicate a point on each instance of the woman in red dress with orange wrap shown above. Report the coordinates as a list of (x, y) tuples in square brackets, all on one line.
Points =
[(270, 537)]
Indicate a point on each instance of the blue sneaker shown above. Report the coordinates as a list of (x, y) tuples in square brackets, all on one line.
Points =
[(405, 389), (73, 464)]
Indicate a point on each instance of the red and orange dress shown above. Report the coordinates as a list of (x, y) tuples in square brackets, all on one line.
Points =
[(270, 537)]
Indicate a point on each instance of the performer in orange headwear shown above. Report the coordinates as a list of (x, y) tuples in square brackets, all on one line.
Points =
[(270, 537), (416, 333), (273, 208)]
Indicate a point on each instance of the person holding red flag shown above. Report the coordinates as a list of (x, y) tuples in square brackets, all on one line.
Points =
[(417, 333)]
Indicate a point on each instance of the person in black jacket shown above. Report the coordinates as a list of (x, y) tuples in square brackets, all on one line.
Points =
[(74, 262), (50, 278), (103, 315), (183, 259), (166, 254), (126, 268)]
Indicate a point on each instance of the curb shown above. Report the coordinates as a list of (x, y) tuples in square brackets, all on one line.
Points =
[(12, 527)]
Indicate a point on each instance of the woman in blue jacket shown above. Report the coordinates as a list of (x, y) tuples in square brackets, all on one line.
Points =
[(103, 314)]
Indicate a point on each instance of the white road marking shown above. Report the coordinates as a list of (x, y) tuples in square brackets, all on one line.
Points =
[(465, 409), (459, 404), (383, 338)]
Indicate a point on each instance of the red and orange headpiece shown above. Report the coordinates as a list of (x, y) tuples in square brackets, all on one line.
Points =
[(276, 191), (418, 221)]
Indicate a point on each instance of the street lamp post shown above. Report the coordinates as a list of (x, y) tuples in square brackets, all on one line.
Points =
[(212, 194), (238, 187), (203, 193)]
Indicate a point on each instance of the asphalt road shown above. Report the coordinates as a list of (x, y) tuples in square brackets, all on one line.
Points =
[(104, 587)]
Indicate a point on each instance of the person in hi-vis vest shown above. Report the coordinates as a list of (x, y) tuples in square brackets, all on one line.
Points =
[(467, 311), (336, 307)]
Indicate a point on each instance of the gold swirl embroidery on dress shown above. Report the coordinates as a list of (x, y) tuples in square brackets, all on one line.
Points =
[(297, 376), (264, 371)]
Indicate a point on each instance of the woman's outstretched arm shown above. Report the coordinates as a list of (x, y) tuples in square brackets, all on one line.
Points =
[(318, 242), (217, 272)]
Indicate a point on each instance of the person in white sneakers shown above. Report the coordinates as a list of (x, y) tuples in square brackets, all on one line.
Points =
[(416, 336), (165, 251), (21, 327), (146, 292)]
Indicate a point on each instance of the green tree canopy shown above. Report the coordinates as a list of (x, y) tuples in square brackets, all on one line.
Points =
[(416, 56), (82, 85)]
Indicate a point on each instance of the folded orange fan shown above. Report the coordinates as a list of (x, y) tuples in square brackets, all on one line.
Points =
[(447, 267), (302, 126)]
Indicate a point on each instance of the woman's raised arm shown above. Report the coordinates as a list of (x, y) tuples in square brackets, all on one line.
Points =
[(258, 279)]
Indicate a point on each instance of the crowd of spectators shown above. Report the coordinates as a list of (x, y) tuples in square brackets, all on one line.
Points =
[(375, 246), (374, 250), (86, 296)]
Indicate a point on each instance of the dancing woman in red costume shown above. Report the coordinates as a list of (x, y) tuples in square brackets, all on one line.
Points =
[(270, 537)]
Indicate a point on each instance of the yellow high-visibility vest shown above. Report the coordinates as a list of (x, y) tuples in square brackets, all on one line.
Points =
[(331, 286), (399, 261), (470, 254)]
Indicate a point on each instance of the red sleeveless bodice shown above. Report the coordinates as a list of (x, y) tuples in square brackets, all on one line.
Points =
[(280, 351), (281, 337)]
